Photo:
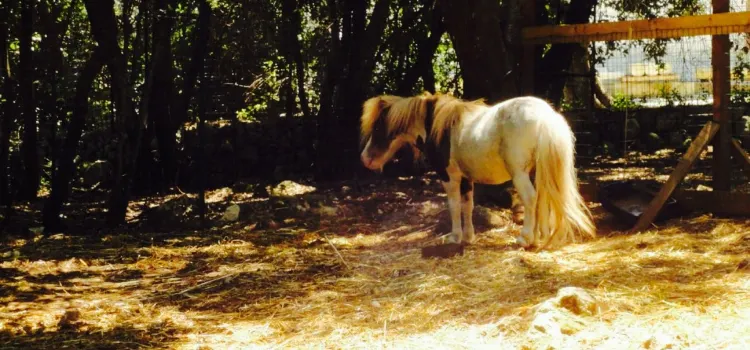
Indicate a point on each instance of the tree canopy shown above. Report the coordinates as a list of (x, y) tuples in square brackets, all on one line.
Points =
[(124, 82)]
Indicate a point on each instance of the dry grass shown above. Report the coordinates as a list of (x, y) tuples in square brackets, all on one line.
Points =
[(683, 285)]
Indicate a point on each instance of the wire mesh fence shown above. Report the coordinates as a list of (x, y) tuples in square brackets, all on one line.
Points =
[(644, 95)]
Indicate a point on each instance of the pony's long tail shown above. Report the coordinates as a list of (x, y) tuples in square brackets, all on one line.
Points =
[(561, 210)]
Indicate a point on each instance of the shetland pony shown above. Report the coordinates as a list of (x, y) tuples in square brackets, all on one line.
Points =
[(469, 142)]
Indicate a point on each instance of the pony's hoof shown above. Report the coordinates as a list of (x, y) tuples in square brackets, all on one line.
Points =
[(452, 238), (470, 240), (522, 242)]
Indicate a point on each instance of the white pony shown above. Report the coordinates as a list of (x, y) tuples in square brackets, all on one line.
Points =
[(469, 141)]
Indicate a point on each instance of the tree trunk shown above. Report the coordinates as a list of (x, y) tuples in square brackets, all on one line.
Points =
[(426, 48), (29, 147), (200, 47), (162, 94), (478, 34), (362, 43), (61, 182), (549, 80), (8, 110), (52, 33), (104, 29), (299, 62), (285, 43), (326, 118)]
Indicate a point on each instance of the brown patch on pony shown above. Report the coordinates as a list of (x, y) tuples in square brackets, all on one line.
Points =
[(448, 111)]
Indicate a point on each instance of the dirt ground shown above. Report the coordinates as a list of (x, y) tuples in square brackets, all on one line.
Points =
[(340, 267)]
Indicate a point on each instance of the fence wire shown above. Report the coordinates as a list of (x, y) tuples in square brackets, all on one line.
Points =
[(646, 95)]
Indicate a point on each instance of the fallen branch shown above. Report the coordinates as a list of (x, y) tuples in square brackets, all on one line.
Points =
[(337, 252), (206, 283), (196, 287)]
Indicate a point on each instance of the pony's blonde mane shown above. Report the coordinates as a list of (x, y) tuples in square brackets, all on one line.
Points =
[(403, 112), (449, 110)]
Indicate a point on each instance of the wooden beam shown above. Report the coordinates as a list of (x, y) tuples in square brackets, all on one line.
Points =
[(658, 28), (687, 160), (741, 155), (722, 156), (716, 202)]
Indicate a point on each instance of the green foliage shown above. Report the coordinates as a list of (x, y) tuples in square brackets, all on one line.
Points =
[(447, 71), (623, 102), (670, 94)]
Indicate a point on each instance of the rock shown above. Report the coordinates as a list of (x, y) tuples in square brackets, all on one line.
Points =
[(744, 265), (486, 218), (431, 208), (578, 301), (232, 213), (96, 172), (633, 128), (677, 138), (327, 211), (69, 320), (170, 213), (483, 218), (563, 315), (288, 188), (653, 141), (219, 195)]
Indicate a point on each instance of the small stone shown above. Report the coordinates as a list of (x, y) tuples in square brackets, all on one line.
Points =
[(327, 211), (744, 265), (232, 213), (69, 319)]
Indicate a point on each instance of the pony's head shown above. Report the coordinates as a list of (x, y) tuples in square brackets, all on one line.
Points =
[(389, 123)]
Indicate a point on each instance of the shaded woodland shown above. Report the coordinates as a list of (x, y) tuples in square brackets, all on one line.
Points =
[(135, 97)]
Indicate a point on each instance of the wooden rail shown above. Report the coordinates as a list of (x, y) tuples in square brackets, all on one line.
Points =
[(658, 28)]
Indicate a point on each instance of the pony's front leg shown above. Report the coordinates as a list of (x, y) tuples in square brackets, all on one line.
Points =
[(452, 189), (467, 207)]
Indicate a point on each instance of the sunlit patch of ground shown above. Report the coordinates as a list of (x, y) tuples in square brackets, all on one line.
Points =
[(357, 280)]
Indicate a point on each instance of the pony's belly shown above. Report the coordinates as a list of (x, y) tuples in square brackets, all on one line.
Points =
[(489, 171)]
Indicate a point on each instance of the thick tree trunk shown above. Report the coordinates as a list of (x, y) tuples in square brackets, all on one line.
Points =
[(29, 147), (200, 47), (478, 35), (362, 43), (61, 182), (326, 118), (54, 26), (162, 94), (104, 28), (299, 62), (293, 61), (549, 80), (8, 110), (426, 48)]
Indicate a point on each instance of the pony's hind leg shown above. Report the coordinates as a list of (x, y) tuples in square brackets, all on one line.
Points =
[(467, 207), (452, 189), (522, 182)]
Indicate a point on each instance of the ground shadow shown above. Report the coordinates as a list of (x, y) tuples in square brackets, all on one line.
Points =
[(122, 337)]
